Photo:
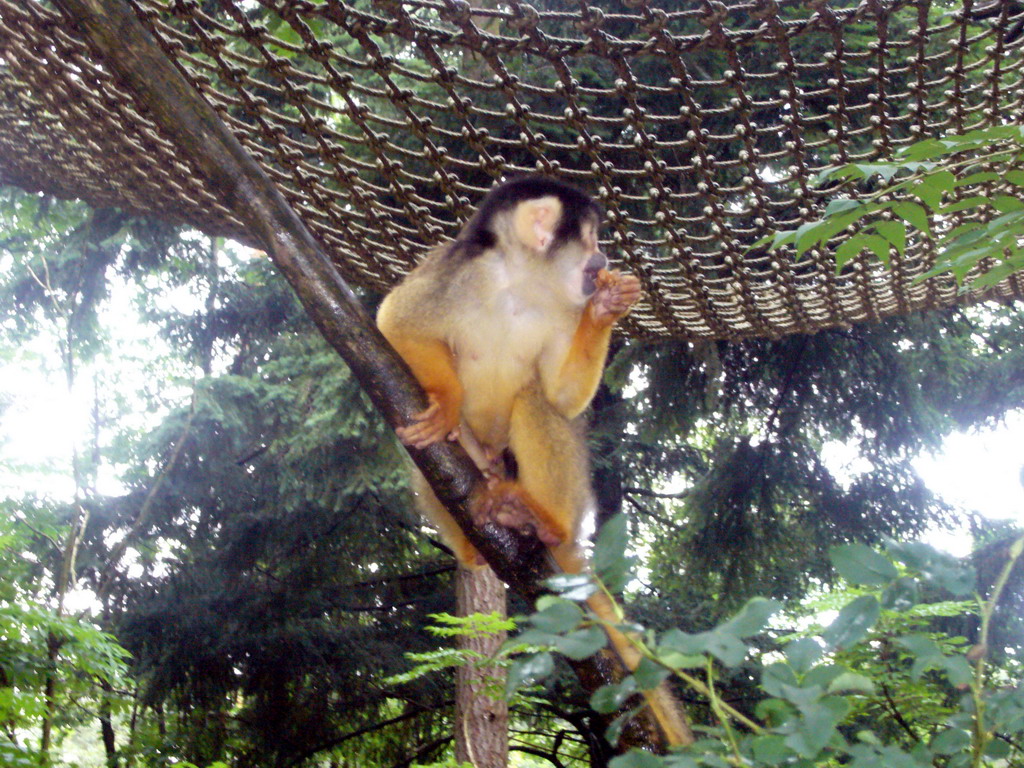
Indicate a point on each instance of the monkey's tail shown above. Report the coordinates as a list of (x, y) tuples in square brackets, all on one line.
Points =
[(667, 712)]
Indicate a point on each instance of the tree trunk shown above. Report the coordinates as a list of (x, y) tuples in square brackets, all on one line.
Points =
[(481, 722), (107, 725)]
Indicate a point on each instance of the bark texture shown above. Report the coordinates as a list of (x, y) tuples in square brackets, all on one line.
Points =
[(481, 722)]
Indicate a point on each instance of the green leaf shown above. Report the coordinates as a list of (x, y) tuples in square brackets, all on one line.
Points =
[(951, 741), (822, 676), (1004, 222), (958, 670), (997, 749), (853, 622), (809, 234), (914, 554), (608, 698), (582, 643), (572, 586), (1015, 177), (848, 171), (913, 214), (927, 655), (649, 674), (777, 679), (956, 578), (676, 660), (842, 205), (558, 617), (832, 226), (977, 178), (535, 638), (962, 205), (895, 232), (850, 249), (902, 595), (850, 682), (782, 237), (826, 173), (929, 196), (529, 670), (774, 712), (636, 758), (939, 182), (614, 731), (993, 276), (1005, 203), (859, 564), (880, 246), (877, 756), (924, 150), (771, 749), (884, 170), (752, 618), (612, 566), (802, 654), (727, 648), (817, 728)]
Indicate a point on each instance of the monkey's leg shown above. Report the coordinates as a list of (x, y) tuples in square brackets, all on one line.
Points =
[(432, 509), (554, 474), (487, 460), (552, 488)]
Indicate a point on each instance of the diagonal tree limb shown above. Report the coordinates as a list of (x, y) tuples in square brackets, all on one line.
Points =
[(118, 38)]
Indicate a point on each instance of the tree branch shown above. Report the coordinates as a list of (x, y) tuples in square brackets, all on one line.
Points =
[(165, 95), (372, 727)]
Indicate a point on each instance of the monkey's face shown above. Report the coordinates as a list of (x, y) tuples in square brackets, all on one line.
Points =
[(595, 264), (581, 260)]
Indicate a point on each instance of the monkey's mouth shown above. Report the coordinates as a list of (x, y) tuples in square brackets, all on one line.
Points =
[(589, 281)]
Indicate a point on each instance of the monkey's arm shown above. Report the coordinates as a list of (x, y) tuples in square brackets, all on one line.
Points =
[(433, 365), (573, 387)]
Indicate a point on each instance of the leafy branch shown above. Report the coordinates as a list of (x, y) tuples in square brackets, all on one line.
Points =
[(960, 192), (810, 697)]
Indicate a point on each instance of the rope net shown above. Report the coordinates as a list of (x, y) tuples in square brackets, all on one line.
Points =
[(698, 126)]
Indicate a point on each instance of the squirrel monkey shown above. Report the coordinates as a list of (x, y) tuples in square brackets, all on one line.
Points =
[(507, 329)]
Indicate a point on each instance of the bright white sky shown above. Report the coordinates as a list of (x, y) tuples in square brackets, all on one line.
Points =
[(980, 471), (42, 421)]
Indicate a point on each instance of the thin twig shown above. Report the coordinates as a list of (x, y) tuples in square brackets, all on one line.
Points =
[(897, 715), (107, 576)]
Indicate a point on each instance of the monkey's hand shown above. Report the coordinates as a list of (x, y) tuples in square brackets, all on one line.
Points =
[(429, 426), (506, 504), (616, 293)]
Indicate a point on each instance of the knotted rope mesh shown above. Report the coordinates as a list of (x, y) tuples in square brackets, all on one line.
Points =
[(699, 126)]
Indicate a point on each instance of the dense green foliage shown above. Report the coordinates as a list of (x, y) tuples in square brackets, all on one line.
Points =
[(877, 685), (980, 171), (236, 519), (259, 560)]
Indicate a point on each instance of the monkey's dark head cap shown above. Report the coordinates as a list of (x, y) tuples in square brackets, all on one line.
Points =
[(577, 207)]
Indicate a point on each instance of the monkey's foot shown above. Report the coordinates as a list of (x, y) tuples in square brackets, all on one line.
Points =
[(507, 505), (429, 426), (494, 471), (468, 555), (616, 293)]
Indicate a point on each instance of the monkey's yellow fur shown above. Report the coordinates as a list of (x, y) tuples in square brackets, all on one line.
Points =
[(507, 330)]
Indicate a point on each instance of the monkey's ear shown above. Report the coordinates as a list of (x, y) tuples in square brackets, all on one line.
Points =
[(534, 222)]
